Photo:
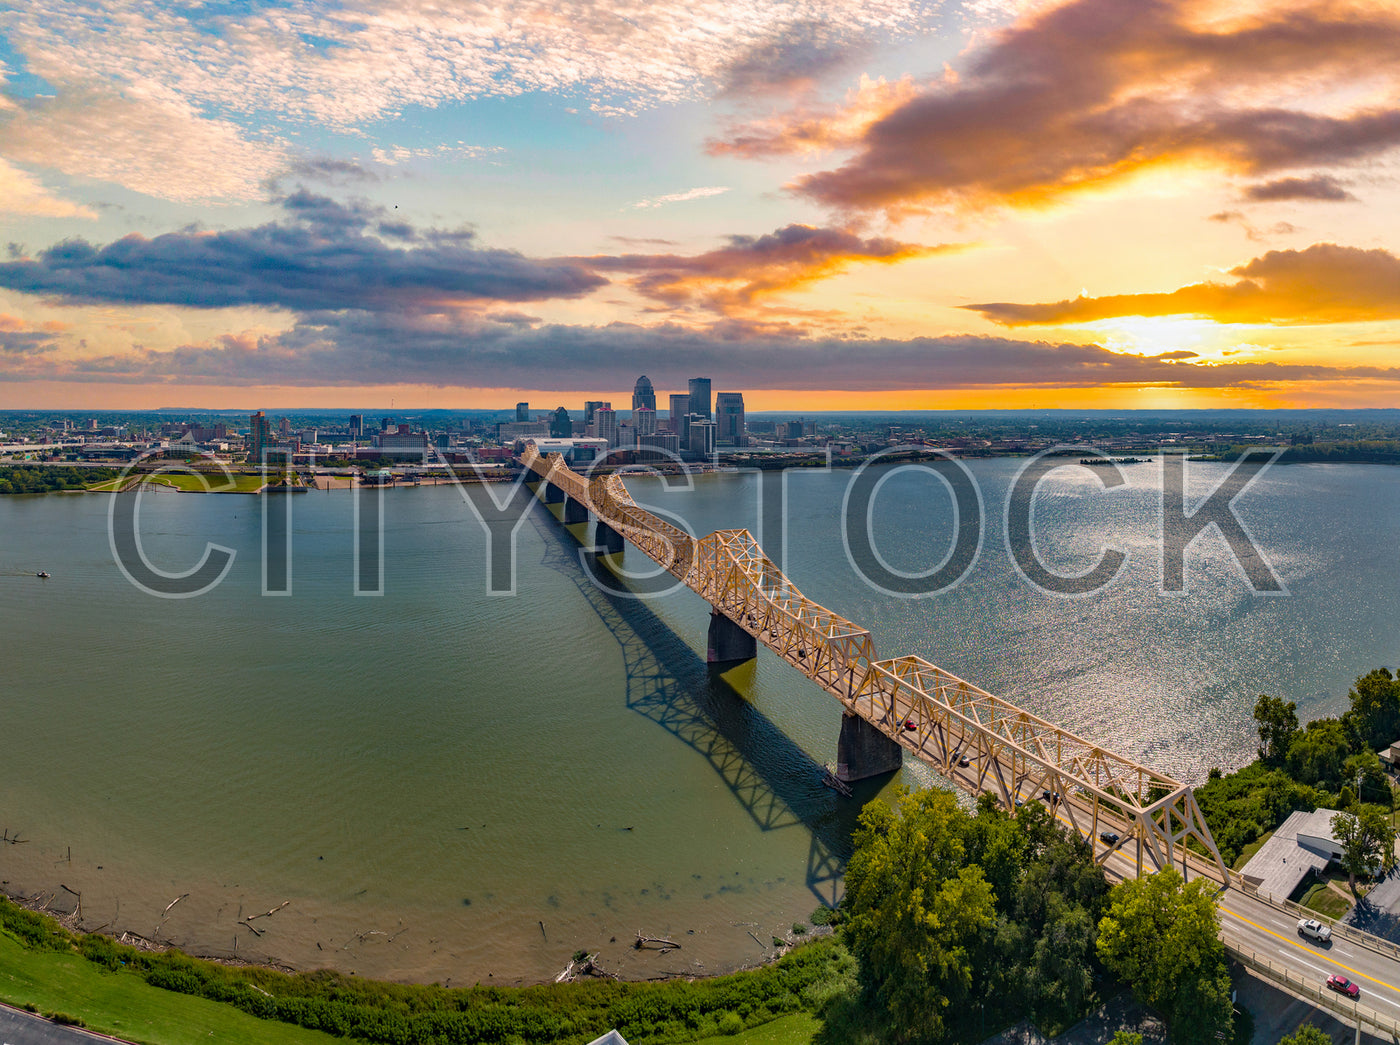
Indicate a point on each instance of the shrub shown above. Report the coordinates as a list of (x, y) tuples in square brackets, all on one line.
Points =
[(730, 1023)]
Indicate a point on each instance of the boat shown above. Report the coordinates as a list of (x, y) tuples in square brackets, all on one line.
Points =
[(42, 575)]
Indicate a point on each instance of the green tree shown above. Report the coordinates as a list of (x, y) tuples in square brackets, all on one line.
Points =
[(1278, 723), (1125, 1037), (1161, 937), (1368, 775), (1306, 1035), (917, 912), (1367, 841), (1318, 753), (1375, 708)]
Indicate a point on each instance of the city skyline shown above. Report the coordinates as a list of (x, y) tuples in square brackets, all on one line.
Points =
[(883, 205)]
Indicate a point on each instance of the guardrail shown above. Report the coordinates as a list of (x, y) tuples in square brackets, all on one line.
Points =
[(1312, 993), (1340, 930)]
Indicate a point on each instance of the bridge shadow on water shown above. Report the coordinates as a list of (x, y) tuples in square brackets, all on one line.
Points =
[(777, 783)]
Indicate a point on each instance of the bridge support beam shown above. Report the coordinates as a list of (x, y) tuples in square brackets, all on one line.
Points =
[(728, 643), (553, 494), (574, 512), (863, 751), (606, 540)]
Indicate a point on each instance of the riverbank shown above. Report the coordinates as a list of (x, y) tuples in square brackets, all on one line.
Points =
[(110, 985)]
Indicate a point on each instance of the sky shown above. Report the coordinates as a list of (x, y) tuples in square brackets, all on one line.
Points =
[(824, 204)]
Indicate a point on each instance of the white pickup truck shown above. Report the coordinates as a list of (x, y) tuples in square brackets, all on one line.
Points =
[(1314, 930)]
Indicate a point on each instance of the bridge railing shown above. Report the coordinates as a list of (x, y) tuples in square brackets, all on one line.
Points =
[(1014, 749), (1313, 992), (1340, 930)]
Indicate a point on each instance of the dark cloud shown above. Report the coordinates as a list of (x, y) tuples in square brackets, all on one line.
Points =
[(1325, 283), (327, 170), (796, 57), (749, 267), (321, 257), (363, 348), (1318, 187), (1094, 91)]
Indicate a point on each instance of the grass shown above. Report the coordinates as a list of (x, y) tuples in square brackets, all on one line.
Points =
[(1248, 851), (798, 1028), (1325, 901), (217, 482), (124, 1005)]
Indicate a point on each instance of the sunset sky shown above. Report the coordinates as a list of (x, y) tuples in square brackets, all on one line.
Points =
[(825, 204)]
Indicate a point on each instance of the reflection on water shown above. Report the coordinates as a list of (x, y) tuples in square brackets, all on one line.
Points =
[(448, 785)]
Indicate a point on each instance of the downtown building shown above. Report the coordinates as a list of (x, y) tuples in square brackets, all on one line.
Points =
[(729, 419)]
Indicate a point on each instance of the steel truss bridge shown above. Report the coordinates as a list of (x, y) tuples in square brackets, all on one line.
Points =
[(979, 741)]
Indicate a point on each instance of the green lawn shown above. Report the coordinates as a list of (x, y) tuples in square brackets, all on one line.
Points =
[(218, 483), (125, 1006), (798, 1028), (1325, 901)]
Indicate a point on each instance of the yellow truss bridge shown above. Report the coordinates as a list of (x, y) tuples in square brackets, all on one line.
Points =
[(973, 738)]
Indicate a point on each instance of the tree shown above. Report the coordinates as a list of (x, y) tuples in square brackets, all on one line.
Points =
[(1306, 1035), (1375, 708), (1367, 773), (1367, 841), (1161, 936), (1317, 754), (1278, 723), (917, 913)]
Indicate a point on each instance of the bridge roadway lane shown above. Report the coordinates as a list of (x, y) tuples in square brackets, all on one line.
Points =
[(1251, 924)]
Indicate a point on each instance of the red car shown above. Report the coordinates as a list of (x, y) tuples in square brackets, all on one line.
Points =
[(1344, 985)]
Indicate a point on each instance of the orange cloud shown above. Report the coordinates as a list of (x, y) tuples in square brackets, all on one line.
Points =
[(1092, 92), (732, 278), (1325, 283)]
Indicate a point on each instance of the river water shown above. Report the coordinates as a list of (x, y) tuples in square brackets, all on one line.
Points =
[(455, 787)]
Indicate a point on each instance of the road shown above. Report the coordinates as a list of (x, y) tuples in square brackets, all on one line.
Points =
[(22, 1028)]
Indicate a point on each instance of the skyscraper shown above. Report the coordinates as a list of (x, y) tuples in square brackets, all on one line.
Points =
[(644, 419), (590, 408), (643, 394), (680, 406), (259, 436), (357, 427), (605, 421), (560, 427), (522, 411), (700, 396), (729, 415)]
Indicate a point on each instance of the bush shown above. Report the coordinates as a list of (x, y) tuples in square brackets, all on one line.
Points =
[(730, 1023)]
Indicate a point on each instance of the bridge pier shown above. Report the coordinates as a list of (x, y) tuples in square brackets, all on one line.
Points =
[(574, 512), (728, 643), (553, 494), (863, 751), (606, 540)]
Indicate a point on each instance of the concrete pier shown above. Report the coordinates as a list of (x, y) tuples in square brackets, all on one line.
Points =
[(553, 494), (863, 751), (574, 512), (728, 643), (607, 540)]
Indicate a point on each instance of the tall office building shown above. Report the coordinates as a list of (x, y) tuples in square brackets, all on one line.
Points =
[(680, 406), (560, 426), (357, 427), (643, 394), (702, 435), (700, 396), (729, 416), (605, 423), (590, 408), (259, 436), (522, 411), (644, 419)]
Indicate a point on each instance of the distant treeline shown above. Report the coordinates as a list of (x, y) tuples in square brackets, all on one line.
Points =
[(24, 479)]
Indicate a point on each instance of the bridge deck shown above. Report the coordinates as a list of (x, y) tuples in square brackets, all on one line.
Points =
[(977, 740)]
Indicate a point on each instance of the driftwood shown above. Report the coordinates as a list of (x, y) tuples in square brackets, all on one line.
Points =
[(172, 903), (266, 914), (586, 966), (79, 912), (661, 942), (756, 939)]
